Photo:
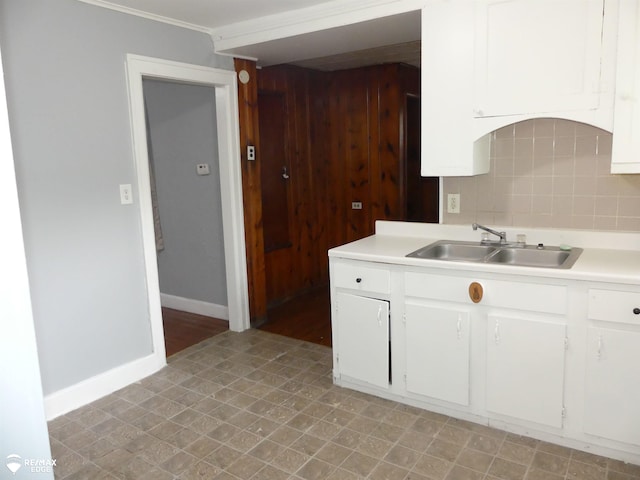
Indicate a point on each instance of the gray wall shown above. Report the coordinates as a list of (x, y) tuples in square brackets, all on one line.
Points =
[(64, 64), (182, 123)]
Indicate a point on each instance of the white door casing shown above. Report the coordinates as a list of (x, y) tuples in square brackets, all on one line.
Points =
[(224, 83)]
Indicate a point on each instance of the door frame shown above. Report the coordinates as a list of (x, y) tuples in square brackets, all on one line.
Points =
[(226, 92)]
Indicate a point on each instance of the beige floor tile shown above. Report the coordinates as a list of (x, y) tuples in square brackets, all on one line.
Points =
[(257, 406)]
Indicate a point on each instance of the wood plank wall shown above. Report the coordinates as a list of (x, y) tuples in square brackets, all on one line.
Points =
[(364, 128), (251, 192), (297, 268), (345, 144)]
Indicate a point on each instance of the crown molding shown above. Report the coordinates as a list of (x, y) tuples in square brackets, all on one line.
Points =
[(335, 13), (147, 15)]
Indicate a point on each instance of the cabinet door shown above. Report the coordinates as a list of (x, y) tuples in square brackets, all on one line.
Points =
[(437, 344), (525, 369), (612, 391), (448, 147), (534, 56), (363, 338), (625, 155)]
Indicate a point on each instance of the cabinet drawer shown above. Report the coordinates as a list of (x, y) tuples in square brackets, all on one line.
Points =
[(361, 277), (534, 297), (614, 306)]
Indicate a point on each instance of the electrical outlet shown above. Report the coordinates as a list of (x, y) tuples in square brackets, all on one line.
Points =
[(202, 169), (453, 203), (356, 205)]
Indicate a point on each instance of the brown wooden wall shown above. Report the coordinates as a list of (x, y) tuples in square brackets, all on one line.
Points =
[(301, 266), (363, 126), (346, 134), (252, 201)]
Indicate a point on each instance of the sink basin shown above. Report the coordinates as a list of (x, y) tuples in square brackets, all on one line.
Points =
[(529, 256), (549, 257), (454, 251)]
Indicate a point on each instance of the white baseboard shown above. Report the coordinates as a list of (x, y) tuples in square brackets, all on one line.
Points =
[(94, 388), (195, 306)]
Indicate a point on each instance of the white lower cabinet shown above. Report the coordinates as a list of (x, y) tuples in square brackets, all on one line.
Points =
[(612, 369), (612, 384), (437, 343), (555, 359), (525, 369), (363, 338)]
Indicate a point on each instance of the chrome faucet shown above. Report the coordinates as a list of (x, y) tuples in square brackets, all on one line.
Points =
[(502, 235)]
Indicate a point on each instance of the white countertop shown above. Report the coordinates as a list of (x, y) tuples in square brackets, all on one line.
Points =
[(618, 262)]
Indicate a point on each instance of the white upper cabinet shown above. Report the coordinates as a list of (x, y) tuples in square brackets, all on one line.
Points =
[(626, 123), (448, 147), (535, 56), (491, 63)]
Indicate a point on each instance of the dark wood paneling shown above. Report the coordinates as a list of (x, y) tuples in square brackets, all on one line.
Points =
[(296, 268), (354, 154), (347, 136), (391, 167), (274, 170), (251, 189)]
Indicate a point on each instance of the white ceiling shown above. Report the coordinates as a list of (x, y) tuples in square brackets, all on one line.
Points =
[(394, 38)]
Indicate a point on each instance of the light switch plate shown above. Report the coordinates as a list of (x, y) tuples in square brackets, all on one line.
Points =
[(126, 195)]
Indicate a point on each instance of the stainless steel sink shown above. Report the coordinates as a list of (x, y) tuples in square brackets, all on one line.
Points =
[(548, 257), (454, 251), (500, 254)]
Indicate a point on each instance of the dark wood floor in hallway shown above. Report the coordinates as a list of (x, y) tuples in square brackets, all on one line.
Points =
[(184, 329), (306, 317)]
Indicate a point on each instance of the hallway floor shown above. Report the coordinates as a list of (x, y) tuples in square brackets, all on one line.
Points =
[(305, 317), (256, 405), (184, 329)]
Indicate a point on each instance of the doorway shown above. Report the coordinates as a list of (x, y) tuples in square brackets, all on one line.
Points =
[(223, 83), (185, 181)]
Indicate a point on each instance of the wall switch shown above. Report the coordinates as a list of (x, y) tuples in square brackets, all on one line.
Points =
[(202, 169), (126, 195), (251, 152), (356, 205), (453, 203)]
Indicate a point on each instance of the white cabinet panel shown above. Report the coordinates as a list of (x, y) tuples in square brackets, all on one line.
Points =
[(534, 56), (363, 338), (491, 63), (612, 391), (361, 277), (525, 369), (614, 306), (497, 293), (437, 343), (625, 155)]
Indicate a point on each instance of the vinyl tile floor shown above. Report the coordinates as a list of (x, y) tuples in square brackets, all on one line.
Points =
[(256, 405)]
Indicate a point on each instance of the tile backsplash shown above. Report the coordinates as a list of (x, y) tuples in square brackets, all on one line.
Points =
[(549, 173)]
